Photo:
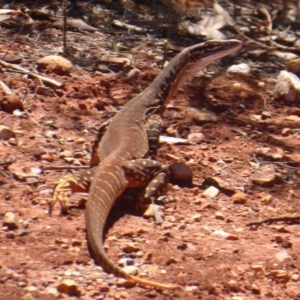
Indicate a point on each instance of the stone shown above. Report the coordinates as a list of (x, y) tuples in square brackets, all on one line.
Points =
[(232, 237), (266, 177), (197, 217), (295, 277), (280, 275), (180, 173), (293, 111), (258, 268), (56, 64), (191, 288), (259, 55), (266, 115), (219, 183), (287, 87), (233, 285), (10, 221), (210, 192), (196, 137), (27, 296), (9, 103), (220, 233), (132, 270), (282, 256), (239, 198), (240, 68), (121, 282), (76, 243), (52, 291), (293, 66), (69, 287), (6, 133), (199, 117), (131, 247), (181, 246), (255, 289), (11, 58), (125, 262), (219, 216)]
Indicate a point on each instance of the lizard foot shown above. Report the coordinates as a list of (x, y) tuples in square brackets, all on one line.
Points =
[(66, 186)]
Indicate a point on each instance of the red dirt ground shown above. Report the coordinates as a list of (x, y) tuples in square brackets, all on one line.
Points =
[(193, 251)]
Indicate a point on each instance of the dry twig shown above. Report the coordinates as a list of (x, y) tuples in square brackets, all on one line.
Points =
[(65, 167), (274, 219), (8, 162), (51, 82)]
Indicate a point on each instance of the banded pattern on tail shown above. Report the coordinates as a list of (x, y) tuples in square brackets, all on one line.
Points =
[(109, 184)]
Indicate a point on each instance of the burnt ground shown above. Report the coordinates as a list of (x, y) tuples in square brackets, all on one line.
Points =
[(204, 244)]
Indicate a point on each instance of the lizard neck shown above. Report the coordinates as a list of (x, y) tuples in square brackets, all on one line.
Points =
[(188, 62)]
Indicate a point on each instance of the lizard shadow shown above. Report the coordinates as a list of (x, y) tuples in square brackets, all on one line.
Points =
[(126, 205)]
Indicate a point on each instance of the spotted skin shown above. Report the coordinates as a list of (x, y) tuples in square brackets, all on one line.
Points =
[(123, 148), (150, 174), (69, 184), (153, 127)]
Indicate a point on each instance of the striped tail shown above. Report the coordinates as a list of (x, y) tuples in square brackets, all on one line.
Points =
[(108, 184)]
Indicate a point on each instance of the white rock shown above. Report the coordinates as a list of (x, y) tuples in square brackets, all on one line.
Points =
[(197, 29), (191, 288), (287, 87), (240, 68), (31, 288), (285, 55), (131, 270), (125, 262), (220, 233), (282, 255), (210, 192), (10, 221), (172, 140), (197, 217), (196, 137)]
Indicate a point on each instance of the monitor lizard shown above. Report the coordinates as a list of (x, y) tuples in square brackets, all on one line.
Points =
[(122, 148)]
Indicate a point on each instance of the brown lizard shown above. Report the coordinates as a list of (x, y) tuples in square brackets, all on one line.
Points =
[(121, 151)]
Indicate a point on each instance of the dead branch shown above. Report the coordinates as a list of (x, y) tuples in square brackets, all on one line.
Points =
[(65, 167), (264, 11), (8, 162), (274, 219), (5, 88), (51, 82), (64, 7)]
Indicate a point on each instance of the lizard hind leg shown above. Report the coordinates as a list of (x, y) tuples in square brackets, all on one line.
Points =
[(152, 175), (69, 184)]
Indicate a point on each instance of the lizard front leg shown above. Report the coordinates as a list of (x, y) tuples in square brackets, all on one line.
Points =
[(153, 127)]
